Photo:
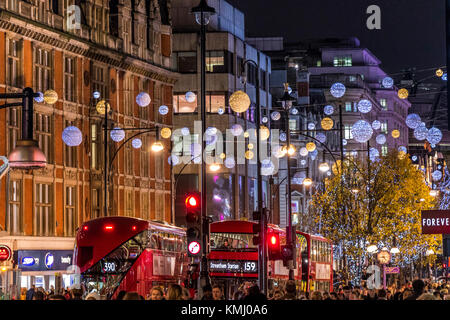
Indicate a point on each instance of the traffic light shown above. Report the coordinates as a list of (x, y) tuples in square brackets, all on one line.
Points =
[(273, 246), (193, 224), (257, 231), (287, 253)]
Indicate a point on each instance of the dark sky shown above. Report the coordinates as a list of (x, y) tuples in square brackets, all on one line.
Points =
[(412, 31)]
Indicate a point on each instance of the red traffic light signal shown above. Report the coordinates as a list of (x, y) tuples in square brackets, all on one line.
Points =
[(274, 246), (193, 224), (192, 202)]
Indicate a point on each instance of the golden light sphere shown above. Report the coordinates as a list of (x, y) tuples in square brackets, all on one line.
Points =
[(264, 133), (249, 155), (439, 72), (401, 155), (101, 106), (327, 123), (403, 93), (166, 133), (222, 156), (395, 134), (291, 151), (246, 134), (250, 146), (307, 182), (239, 101), (310, 146), (50, 96)]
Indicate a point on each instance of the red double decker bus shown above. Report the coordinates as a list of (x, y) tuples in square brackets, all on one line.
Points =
[(121, 253), (233, 258)]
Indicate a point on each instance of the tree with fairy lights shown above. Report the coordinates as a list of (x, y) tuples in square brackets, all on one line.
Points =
[(377, 201)]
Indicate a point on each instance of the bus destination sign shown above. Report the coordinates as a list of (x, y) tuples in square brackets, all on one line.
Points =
[(233, 266)]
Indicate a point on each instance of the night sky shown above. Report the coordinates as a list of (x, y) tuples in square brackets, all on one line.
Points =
[(412, 31)]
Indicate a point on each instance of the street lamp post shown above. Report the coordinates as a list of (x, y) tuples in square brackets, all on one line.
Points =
[(202, 14), (286, 101)]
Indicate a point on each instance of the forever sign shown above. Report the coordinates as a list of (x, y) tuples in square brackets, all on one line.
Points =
[(436, 222)]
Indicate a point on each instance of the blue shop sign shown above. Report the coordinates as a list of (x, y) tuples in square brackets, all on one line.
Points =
[(44, 260)]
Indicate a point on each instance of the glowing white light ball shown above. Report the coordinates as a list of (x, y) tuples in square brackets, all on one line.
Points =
[(136, 143), (163, 110), (337, 90), (72, 136), (362, 131), (364, 106), (413, 120), (143, 99), (190, 96), (328, 110), (117, 134)]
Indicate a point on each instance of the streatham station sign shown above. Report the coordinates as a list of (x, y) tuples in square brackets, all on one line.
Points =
[(436, 222)]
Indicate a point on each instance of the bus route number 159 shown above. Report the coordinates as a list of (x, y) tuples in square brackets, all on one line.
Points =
[(250, 266)]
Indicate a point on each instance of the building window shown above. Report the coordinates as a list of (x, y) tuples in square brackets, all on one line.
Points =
[(348, 132), (128, 100), (384, 150), (159, 165), (239, 61), (70, 153), (43, 72), (292, 124), (383, 103), (181, 105), (186, 62), (128, 159), (145, 157), (43, 128), (159, 206), (263, 80), (219, 62), (70, 216), (95, 146), (43, 222), (69, 79), (352, 78), (145, 208), (348, 107), (96, 200), (384, 127), (100, 81), (214, 102), (251, 74), (13, 127), (13, 65), (342, 61), (14, 206), (144, 87), (129, 206), (319, 63)]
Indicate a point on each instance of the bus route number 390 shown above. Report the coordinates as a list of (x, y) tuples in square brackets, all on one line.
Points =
[(109, 267), (249, 266)]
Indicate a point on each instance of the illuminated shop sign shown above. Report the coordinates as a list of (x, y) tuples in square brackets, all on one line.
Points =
[(44, 260)]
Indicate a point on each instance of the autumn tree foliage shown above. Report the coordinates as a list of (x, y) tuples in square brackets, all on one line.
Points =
[(374, 202)]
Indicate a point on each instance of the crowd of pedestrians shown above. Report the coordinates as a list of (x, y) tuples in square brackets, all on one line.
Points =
[(417, 290)]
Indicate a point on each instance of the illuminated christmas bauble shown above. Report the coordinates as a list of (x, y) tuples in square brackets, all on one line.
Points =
[(387, 82), (190, 96), (294, 111), (413, 120), (403, 93), (373, 154), (275, 115), (328, 110), (402, 149), (136, 143), (376, 125), (311, 126), (117, 134), (362, 131), (72, 136), (250, 146), (166, 133), (39, 98), (364, 106), (327, 123), (185, 131), (229, 163), (344, 142), (50, 96), (321, 137), (220, 110), (222, 155), (436, 175), (163, 110), (303, 162), (249, 154), (439, 72), (381, 139), (236, 130), (96, 94), (414, 158), (267, 167), (246, 134), (395, 134), (421, 132), (264, 119), (337, 90), (283, 136), (143, 99), (264, 132), (298, 178), (239, 101), (101, 105), (173, 160), (303, 151), (310, 146), (434, 135)]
